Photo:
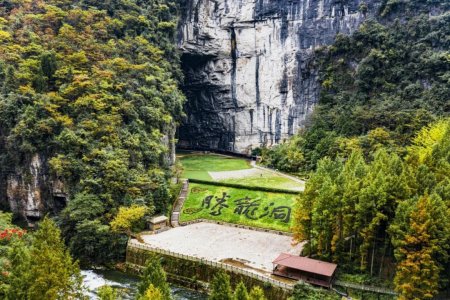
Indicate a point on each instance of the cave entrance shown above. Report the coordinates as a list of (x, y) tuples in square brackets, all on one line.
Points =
[(60, 202)]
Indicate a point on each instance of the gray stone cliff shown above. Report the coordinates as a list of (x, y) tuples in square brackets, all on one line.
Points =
[(249, 68), (31, 192)]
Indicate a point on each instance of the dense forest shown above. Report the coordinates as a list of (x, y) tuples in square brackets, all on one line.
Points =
[(92, 86), (377, 152), (380, 86)]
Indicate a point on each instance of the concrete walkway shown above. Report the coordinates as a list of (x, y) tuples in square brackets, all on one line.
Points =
[(222, 175), (253, 163)]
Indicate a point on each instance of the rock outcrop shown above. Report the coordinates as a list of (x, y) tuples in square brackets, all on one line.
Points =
[(32, 192), (250, 77)]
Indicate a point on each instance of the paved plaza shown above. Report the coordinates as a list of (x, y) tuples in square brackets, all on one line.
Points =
[(219, 242)]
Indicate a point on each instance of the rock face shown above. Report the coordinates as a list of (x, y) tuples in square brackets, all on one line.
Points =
[(31, 192), (249, 67)]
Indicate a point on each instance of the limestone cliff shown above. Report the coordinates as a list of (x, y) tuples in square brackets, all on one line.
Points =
[(249, 70), (31, 192)]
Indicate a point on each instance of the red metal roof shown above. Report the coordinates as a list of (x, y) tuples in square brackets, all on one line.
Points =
[(306, 264)]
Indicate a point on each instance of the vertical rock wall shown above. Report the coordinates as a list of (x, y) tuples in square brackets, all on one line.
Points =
[(249, 70), (31, 192)]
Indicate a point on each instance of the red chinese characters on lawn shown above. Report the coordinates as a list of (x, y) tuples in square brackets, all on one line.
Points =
[(9, 233)]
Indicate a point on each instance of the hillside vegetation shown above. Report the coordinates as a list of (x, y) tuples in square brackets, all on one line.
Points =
[(93, 87), (380, 86), (377, 152)]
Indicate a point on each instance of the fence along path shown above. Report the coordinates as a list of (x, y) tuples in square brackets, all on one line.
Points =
[(363, 287), (379, 290), (137, 245)]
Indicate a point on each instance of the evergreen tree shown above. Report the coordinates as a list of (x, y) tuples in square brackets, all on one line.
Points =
[(257, 294), (53, 273), (352, 177), (19, 278), (155, 276), (316, 210), (421, 235), (152, 293), (220, 287), (107, 292), (383, 187), (240, 293)]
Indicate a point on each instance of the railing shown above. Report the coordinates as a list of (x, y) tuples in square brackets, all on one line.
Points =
[(363, 287), (137, 245)]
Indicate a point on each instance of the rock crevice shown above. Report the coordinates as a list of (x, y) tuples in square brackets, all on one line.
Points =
[(249, 76)]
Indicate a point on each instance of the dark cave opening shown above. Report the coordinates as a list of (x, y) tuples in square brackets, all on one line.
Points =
[(60, 202)]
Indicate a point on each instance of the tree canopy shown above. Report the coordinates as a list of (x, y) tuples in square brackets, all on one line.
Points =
[(92, 87)]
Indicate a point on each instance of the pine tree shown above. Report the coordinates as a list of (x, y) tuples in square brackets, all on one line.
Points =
[(19, 279), (384, 186), (152, 293), (352, 181), (315, 212), (257, 294), (240, 293), (107, 292), (221, 288), (421, 247), (155, 276), (53, 273)]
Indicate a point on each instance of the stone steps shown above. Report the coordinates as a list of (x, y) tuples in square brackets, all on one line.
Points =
[(178, 205)]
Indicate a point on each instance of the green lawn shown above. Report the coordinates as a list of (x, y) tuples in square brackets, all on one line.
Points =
[(239, 206), (267, 179), (197, 165)]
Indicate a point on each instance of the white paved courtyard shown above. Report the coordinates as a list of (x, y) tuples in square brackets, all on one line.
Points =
[(219, 242)]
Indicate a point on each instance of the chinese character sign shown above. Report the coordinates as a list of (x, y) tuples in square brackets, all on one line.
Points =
[(247, 207)]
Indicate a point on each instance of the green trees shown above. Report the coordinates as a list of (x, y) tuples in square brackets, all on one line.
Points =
[(152, 293), (93, 89), (220, 287), (373, 94), (84, 224), (240, 293), (304, 291), (365, 212), (153, 281), (127, 217), (53, 273), (256, 294), (108, 293), (421, 238), (41, 267)]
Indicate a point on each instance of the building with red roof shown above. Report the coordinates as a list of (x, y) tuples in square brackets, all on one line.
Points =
[(303, 268)]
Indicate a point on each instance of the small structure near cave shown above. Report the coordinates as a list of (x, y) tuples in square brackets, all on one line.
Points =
[(303, 268), (158, 223)]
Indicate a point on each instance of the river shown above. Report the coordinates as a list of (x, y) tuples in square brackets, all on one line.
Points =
[(93, 279)]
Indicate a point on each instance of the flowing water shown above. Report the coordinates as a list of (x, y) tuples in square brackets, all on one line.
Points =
[(127, 284)]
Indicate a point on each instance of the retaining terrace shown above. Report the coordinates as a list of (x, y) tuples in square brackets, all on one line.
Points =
[(202, 270)]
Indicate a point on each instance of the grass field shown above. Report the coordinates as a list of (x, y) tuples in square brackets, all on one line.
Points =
[(239, 206), (197, 166), (267, 179)]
